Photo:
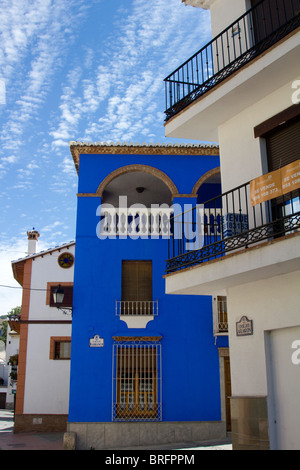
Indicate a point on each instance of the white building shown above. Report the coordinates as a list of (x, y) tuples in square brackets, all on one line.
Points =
[(12, 349), (242, 90), (42, 397)]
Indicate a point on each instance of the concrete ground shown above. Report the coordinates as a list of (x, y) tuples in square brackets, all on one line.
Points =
[(54, 441)]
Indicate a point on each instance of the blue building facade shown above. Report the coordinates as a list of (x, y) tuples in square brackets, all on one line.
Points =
[(145, 366)]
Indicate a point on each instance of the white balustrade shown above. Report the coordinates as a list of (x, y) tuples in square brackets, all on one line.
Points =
[(135, 221), (137, 307)]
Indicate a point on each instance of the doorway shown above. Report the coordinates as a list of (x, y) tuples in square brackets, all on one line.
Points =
[(283, 376), (225, 381)]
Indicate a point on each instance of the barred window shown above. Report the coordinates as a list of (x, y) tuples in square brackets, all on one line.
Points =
[(137, 382), (220, 319)]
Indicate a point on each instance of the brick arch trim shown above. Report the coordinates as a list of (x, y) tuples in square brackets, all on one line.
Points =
[(204, 178), (142, 168)]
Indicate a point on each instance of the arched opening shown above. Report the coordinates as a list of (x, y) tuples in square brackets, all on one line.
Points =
[(136, 201), (141, 184), (208, 189), (208, 186), (139, 188)]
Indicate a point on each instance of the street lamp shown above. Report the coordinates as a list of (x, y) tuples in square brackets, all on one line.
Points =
[(58, 297)]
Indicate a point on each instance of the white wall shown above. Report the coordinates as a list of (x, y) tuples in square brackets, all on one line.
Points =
[(225, 12), (46, 269), (272, 304), (241, 150), (47, 380), (284, 387)]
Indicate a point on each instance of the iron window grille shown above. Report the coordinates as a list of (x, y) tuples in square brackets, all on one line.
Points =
[(137, 394), (220, 317)]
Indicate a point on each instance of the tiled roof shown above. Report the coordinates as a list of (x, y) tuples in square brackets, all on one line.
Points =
[(79, 148), (45, 252)]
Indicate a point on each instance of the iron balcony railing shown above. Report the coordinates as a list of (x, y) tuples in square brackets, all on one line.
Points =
[(251, 34), (227, 223), (137, 307)]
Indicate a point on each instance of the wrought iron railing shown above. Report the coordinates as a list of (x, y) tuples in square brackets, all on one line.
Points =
[(251, 34), (137, 382), (229, 222)]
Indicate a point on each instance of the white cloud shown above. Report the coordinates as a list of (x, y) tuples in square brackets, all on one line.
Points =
[(34, 36), (115, 92), (9, 159), (50, 227), (12, 250), (119, 100)]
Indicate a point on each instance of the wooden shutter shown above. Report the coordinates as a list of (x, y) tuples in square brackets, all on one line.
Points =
[(270, 15), (283, 145), (137, 280)]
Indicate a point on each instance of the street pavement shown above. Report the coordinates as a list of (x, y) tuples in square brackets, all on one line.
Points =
[(54, 441), (25, 441)]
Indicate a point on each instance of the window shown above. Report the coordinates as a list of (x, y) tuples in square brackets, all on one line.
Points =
[(60, 348), (136, 288), (282, 138), (136, 382), (283, 144), (220, 318)]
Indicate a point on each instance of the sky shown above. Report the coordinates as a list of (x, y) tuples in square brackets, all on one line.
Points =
[(77, 70)]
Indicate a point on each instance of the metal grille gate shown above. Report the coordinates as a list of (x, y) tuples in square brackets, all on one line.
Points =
[(136, 382)]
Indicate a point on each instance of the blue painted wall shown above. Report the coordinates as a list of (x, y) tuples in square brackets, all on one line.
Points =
[(190, 361)]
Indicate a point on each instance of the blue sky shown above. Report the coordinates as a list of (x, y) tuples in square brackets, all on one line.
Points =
[(84, 70)]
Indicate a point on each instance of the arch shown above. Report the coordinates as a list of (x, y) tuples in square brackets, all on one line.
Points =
[(142, 168), (204, 178)]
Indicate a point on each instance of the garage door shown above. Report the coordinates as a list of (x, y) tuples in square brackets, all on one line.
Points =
[(283, 365)]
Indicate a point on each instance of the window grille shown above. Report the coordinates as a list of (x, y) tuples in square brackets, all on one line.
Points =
[(136, 382), (220, 315)]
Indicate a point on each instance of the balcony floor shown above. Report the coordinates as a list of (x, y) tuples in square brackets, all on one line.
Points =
[(262, 261)]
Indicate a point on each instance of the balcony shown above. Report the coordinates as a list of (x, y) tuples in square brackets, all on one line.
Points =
[(229, 223), (244, 40), (137, 307), (134, 222), (136, 313)]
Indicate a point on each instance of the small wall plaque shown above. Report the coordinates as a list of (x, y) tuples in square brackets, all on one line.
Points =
[(244, 327), (96, 342)]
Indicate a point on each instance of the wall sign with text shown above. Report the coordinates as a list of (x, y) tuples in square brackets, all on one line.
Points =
[(244, 327), (96, 342)]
